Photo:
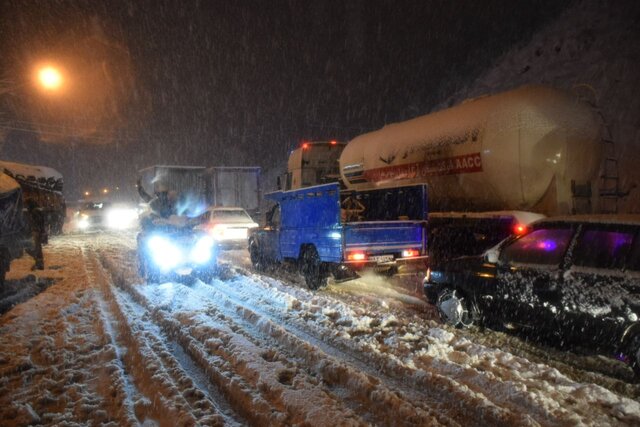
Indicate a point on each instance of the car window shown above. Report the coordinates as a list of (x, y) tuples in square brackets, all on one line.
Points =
[(273, 216), (602, 248), (231, 215), (454, 237), (545, 246)]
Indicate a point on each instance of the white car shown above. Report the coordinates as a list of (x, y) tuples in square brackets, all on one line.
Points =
[(228, 226)]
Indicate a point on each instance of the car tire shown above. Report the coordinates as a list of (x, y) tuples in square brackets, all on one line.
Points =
[(257, 258), (454, 308), (633, 354), (313, 270)]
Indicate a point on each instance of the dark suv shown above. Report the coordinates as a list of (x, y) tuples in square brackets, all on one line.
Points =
[(576, 279)]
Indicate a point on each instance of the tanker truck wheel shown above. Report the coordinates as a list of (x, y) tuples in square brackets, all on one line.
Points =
[(314, 272)]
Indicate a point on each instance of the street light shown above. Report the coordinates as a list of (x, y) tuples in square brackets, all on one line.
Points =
[(50, 78)]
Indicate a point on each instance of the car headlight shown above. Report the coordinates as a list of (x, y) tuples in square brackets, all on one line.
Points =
[(164, 253), (202, 250), (83, 222), (121, 218)]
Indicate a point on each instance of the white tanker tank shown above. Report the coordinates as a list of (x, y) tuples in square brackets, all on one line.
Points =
[(517, 150)]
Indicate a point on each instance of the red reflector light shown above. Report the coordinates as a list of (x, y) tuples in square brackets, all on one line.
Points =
[(333, 142), (409, 253), (519, 229), (356, 256), (305, 145)]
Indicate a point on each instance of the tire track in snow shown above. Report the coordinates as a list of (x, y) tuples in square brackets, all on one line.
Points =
[(157, 390), (68, 376), (139, 319), (431, 392), (543, 397), (476, 410), (361, 390), (265, 390), (478, 383)]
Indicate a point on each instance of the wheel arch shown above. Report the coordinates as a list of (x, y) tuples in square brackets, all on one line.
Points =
[(629, 333)]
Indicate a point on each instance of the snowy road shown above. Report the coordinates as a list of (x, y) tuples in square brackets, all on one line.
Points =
[(97, 345)]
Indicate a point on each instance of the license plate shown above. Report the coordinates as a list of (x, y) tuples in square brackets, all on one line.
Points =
[(381, 258)]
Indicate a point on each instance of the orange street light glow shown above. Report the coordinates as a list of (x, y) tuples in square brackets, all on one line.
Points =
[(50, 78)]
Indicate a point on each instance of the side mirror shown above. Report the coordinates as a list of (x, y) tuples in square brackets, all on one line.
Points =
[(492, 255)]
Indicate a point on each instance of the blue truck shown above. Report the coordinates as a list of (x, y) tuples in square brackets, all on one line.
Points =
[(328, 231)]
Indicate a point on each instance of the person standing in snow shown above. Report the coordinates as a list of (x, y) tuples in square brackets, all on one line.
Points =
[(36, 220)]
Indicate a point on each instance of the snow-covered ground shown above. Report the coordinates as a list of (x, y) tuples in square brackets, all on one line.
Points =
[(87, 342)]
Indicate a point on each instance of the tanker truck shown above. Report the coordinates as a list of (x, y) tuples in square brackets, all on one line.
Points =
[(534, 148), (531, 151)]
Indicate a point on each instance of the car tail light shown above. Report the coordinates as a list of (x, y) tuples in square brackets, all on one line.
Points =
[(334, 142), (519, 229), (305, 145), (356, 256), (410, 253)]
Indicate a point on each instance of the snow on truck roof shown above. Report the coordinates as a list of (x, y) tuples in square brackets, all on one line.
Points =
[(27, 171), (172, 167), (7, 184), (459, 122)]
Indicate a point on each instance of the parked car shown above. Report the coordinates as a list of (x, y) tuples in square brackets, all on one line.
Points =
[(229, 226), (576, 279)]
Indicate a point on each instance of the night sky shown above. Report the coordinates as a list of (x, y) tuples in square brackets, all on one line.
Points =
[(232, 82)]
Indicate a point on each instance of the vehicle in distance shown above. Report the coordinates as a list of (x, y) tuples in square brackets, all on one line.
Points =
[(104, 215), (228, 226), (576, 279)]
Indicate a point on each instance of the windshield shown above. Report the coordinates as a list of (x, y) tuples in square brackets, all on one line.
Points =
[(231, 215)]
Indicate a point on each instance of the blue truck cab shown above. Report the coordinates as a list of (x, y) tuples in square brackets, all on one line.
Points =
[(326, 230)]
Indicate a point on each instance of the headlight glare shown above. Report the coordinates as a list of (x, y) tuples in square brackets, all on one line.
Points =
[(202, 251), (121, 218), (164, 253)]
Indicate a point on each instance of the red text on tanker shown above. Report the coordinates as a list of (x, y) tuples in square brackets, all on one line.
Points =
[(446, 166)]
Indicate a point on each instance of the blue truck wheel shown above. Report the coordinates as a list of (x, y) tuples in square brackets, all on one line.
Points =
[(315, 274)]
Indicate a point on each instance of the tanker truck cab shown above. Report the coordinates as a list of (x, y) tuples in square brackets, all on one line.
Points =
[(326, 231), (312, 163)]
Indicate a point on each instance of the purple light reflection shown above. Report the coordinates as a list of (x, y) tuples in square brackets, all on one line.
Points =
[(548, 245)]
